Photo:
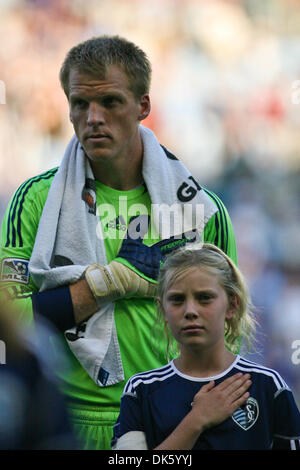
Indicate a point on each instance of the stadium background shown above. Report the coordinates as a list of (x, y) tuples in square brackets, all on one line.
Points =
[(225, 99)]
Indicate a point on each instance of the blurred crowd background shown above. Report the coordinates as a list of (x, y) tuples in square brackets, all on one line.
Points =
[(225, 99)]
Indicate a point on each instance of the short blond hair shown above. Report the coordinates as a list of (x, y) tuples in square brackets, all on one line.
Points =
[(95, 55), (214, 261)]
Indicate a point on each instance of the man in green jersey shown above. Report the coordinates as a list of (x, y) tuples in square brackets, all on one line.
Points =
[(106, 81)]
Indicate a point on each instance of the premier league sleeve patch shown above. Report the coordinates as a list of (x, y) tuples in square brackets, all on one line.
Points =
[(15, 269)]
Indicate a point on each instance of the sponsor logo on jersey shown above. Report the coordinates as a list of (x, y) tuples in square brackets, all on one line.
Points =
[(246, 415), (89, 195), (117, 224), (15, 269)]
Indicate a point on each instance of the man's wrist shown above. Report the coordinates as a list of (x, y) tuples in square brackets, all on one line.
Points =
[(84, 302)]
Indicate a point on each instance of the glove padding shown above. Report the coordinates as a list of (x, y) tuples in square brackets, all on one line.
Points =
[(114, 281), (134, 271)]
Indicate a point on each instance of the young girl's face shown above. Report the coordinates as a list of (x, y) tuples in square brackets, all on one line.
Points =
[(195, 307)]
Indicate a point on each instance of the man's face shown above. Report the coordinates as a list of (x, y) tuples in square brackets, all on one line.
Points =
[(105, 114)]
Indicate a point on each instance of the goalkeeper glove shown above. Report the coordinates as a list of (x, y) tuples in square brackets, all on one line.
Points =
[(146, 260), (133, 272), (111, 282)]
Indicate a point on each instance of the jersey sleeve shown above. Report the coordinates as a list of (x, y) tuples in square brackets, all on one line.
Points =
[(130, 417), (219, 229), (18, 231), (286, 422)]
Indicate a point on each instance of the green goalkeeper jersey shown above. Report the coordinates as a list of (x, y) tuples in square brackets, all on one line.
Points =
[(135, 318)]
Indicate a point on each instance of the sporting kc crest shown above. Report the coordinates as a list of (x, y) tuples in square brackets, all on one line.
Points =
[(246, 415)]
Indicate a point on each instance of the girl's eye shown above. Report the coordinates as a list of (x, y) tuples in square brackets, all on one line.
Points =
[(175, 299), (205, 298)]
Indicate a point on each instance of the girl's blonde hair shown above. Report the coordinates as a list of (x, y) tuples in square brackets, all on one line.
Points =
[(214, 261)]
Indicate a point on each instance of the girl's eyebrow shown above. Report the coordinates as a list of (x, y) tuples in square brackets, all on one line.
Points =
[(178, 291), (174, 290), (174, 293)]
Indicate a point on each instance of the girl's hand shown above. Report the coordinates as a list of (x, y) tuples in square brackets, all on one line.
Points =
[(212, 405)]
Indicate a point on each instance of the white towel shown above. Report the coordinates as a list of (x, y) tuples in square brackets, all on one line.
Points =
[(67, 230)]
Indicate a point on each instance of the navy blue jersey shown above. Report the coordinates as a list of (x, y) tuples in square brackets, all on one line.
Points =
[(155, 402)]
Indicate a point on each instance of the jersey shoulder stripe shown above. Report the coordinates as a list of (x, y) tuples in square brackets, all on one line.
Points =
[(159, 374), (295, 444), (14, 236), (220, 221), (248, 366)]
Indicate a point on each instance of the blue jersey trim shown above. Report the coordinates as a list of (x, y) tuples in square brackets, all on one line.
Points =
[(247, 366), (223, 223), (19, 197), (159, 374)]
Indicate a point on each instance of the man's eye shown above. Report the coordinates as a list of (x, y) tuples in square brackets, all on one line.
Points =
[(78, 103), (110, 101)]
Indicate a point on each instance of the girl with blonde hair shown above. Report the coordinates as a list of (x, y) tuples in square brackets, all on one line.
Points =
[(208, 397)]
